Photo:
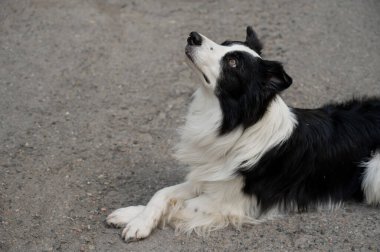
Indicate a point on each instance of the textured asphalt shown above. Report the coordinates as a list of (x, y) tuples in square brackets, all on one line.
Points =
[(91, 94)]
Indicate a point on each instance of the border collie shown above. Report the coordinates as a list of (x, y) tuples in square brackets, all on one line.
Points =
[(252, 157)]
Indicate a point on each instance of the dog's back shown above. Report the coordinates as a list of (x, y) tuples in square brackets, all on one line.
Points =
[(324, 160)]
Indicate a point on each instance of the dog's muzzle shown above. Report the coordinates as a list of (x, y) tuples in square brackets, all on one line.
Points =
[(194, 40)]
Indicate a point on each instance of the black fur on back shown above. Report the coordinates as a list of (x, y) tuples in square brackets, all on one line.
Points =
[(321, 162)]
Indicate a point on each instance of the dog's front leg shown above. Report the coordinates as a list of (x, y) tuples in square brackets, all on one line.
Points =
[(141, 225)]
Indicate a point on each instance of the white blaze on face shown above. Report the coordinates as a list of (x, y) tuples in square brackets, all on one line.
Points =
[(208, 55)]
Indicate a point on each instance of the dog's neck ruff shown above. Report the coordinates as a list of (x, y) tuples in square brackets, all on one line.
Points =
[(214, 157)]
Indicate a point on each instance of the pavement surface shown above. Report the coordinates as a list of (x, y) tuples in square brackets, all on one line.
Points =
[(91, 94)]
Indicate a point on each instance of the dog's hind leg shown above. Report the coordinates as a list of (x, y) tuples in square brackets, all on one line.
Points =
[(371, 180)]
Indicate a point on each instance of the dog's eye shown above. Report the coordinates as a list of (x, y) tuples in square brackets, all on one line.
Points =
[(232, 62)]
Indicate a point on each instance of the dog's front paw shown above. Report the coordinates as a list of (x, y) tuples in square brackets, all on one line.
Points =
[(139, 228), (122, 216)]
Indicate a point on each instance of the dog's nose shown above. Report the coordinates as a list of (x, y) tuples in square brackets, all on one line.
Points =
[(194, 39)]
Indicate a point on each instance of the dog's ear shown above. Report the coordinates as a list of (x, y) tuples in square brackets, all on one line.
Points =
[(252, 41), (275, 76)]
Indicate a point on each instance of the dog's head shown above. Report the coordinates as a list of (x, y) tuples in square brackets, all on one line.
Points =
[(234, 71)]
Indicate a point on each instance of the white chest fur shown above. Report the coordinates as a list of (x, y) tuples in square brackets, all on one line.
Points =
[(213, 157)]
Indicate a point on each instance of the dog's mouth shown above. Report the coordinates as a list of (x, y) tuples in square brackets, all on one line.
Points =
[(206, 79), (189, 53)]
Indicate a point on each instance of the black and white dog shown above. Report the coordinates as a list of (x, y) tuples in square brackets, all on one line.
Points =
[(251, 156)]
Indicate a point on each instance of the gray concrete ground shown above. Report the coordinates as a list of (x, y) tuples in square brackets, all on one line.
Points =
[(91, 94)]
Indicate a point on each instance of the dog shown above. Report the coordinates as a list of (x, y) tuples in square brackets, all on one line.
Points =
[(252, 157)]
